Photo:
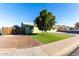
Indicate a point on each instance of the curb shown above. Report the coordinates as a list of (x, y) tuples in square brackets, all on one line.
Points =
[(68, 51)]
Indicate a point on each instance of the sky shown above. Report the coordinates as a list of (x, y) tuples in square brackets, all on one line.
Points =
[(16, 13)]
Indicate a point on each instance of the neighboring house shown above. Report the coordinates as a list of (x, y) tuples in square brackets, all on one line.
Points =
[(62, 28)]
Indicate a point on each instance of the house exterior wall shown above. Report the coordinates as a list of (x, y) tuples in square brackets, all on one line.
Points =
[(28, 30), (6, 30), (36, 30)]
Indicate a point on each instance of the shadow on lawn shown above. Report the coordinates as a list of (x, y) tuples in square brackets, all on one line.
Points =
[(33, 34)]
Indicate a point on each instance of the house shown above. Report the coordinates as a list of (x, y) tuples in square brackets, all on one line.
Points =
[(26, 28), (36, 30), (31, 28), (66, 29), (63, 28)]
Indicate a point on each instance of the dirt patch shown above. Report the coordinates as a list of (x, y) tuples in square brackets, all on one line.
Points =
[(17, 41)]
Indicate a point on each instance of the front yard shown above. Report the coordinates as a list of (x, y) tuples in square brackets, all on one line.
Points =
[(28, 41), (50, 37)]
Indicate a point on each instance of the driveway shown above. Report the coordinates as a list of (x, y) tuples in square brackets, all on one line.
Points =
[(17, 41)]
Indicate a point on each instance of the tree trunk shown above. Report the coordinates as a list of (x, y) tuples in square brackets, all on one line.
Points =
[(42, 31)]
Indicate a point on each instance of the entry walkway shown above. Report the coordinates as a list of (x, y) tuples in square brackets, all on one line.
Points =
[(59, 48)]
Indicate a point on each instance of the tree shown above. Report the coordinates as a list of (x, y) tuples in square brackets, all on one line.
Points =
[(45, 20), (77, 25), (16, 30)]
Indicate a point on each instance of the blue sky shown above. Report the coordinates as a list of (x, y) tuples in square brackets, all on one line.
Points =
[(11, 14)]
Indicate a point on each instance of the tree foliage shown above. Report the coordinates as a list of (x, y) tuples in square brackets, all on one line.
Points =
[(45, 20), (16, 30)]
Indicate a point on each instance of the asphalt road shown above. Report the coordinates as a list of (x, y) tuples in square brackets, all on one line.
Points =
[(75, 53)]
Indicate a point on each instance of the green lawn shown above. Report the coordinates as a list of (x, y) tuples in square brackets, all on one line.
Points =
[(50, 37)]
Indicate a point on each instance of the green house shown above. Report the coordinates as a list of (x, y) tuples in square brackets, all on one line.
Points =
[(27, 28)]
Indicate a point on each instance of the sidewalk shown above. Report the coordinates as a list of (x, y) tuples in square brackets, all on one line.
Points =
[(63, 47), (59, 48)]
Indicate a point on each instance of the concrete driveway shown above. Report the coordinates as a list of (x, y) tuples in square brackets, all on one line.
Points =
[(17, 41)]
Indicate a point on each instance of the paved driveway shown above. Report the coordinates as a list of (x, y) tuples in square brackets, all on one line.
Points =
[(17, 41)]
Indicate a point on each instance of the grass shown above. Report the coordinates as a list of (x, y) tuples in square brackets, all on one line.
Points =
[(50, 37)]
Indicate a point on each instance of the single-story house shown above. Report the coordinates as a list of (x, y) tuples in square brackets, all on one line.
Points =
[(31, 28), (27, 28)]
